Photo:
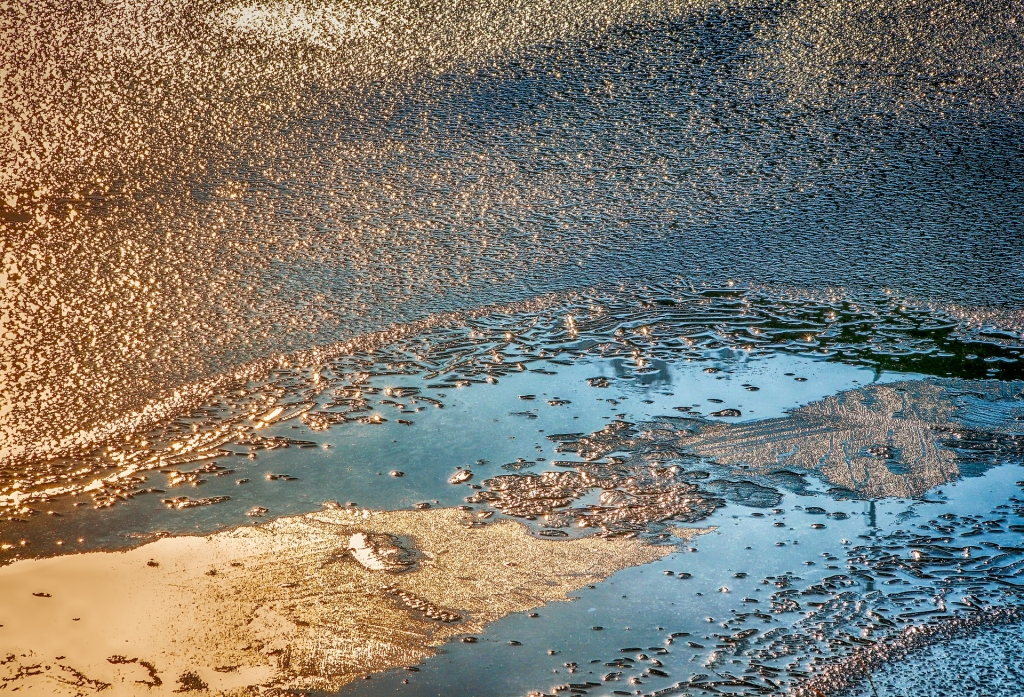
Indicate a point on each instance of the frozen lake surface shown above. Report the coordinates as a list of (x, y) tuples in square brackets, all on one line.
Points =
[(509, 348)]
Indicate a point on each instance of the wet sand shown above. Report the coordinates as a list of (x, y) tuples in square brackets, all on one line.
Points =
[(287, 604)]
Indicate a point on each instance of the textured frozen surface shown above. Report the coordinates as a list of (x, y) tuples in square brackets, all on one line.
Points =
[(190, 186)]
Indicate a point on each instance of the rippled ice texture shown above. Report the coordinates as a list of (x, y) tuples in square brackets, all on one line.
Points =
[(192, 185)]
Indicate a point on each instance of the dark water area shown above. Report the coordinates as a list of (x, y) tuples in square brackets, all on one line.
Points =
[(735, 282)]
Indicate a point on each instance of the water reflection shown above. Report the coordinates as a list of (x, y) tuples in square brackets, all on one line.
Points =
[(883, 440)]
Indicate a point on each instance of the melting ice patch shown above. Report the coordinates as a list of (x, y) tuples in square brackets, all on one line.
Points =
[(276, 607)]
